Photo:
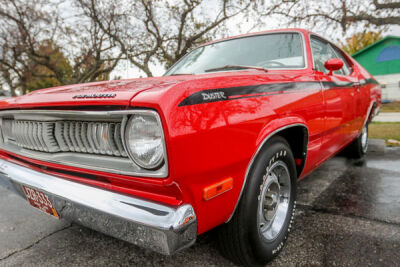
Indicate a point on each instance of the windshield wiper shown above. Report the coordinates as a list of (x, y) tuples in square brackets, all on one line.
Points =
[(178, 74), (235, 67)]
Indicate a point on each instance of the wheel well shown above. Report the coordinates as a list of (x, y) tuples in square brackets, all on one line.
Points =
[(297, 137)]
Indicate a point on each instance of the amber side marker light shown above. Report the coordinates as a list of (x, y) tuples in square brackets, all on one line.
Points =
[(217, 189)]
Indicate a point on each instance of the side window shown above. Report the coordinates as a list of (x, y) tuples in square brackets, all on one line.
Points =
[(347, 70), (322, 51)]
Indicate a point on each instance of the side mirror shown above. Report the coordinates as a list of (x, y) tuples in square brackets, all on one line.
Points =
[(333, 64)]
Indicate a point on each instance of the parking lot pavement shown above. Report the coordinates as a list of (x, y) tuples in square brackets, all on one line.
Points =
[(348, 214), (22, 226)]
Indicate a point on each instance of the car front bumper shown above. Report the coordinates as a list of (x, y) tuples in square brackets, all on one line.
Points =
[(150, 225)]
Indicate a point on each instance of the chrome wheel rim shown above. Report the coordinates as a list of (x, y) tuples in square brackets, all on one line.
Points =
[(364, 139), (273, 202)]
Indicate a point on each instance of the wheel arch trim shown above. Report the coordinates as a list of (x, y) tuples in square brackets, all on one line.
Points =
[(259, 147), (370, 115)]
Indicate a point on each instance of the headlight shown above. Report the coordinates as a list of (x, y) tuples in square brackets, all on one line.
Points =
[(145, 140)]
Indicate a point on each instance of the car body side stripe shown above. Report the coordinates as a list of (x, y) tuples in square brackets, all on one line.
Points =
[(260, 90), (230, 93)]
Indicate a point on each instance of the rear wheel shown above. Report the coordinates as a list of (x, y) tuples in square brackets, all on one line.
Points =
[(259, 228), (358, 148)]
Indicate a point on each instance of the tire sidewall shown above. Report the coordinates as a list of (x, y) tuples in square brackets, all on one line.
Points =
[(364, 149), (276, 149)]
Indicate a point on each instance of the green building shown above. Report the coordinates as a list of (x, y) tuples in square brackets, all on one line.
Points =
[(382, 60)]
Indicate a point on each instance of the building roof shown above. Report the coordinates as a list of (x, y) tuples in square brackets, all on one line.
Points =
[(374, 44), (381, 57)]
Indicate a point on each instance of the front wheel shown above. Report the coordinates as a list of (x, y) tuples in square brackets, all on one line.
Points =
[(259, 228)]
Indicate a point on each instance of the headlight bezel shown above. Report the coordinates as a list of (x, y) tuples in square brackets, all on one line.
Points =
[(127, 127)]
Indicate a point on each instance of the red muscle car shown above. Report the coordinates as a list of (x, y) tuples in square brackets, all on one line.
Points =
[(220, 140)]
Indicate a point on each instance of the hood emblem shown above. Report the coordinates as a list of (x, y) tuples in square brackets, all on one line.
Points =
[(94, 96)]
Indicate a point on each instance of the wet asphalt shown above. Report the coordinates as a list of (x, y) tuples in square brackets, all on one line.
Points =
[(348, 214)]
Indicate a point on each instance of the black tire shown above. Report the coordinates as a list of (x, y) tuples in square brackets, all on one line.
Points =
[(358, 148), (240, 239)]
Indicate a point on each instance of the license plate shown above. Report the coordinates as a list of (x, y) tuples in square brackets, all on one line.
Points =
[(40, 201)]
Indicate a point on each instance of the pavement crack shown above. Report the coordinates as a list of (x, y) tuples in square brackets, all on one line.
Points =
[(35, 243)]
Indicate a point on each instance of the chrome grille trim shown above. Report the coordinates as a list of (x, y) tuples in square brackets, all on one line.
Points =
[(118, 140), (74, 138), (68, 136), (32, 135)]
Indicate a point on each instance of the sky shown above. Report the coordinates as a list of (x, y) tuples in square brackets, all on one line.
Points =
[(394, 30)]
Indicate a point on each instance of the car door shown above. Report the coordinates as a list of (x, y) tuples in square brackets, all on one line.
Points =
[(353, 76), (339, 95)]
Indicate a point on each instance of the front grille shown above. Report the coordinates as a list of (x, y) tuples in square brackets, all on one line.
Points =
[(67, 136), (82, 139)]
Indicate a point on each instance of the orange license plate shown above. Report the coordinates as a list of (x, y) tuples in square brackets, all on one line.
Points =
[(40, 201)]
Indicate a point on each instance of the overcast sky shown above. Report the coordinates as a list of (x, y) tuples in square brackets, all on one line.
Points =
[(394, 30)]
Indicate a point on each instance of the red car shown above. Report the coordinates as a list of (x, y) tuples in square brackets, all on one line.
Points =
[(220, 140)]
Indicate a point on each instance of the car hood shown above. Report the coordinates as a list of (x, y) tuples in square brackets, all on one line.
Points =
[(113, 93), (155, 90)]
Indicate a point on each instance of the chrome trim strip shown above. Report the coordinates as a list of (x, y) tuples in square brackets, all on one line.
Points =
[(255, 155), (72, 113), (369, 113), (144, 223), (376, 111), (81, 160), (119, 165)]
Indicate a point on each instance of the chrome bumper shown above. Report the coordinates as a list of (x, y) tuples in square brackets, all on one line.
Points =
[(160, 228)]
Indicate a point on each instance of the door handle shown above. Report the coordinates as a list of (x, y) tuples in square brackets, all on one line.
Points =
[(357, 86)]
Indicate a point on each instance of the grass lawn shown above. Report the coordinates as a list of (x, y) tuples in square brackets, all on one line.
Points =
[(391, 107), (384, 130)]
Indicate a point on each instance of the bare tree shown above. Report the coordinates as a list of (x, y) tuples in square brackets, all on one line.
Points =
[(328, 15), (46, 43), (161, 31), (34, 38), (19, 25)]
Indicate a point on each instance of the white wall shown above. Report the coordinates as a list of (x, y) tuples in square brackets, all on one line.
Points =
[(392, 83)]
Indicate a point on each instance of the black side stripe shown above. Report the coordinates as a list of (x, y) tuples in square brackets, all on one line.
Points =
[(230, 93), (240, 92), (337, 84)]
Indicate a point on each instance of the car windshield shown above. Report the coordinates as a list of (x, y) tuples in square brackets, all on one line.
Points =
[(268, 51)]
